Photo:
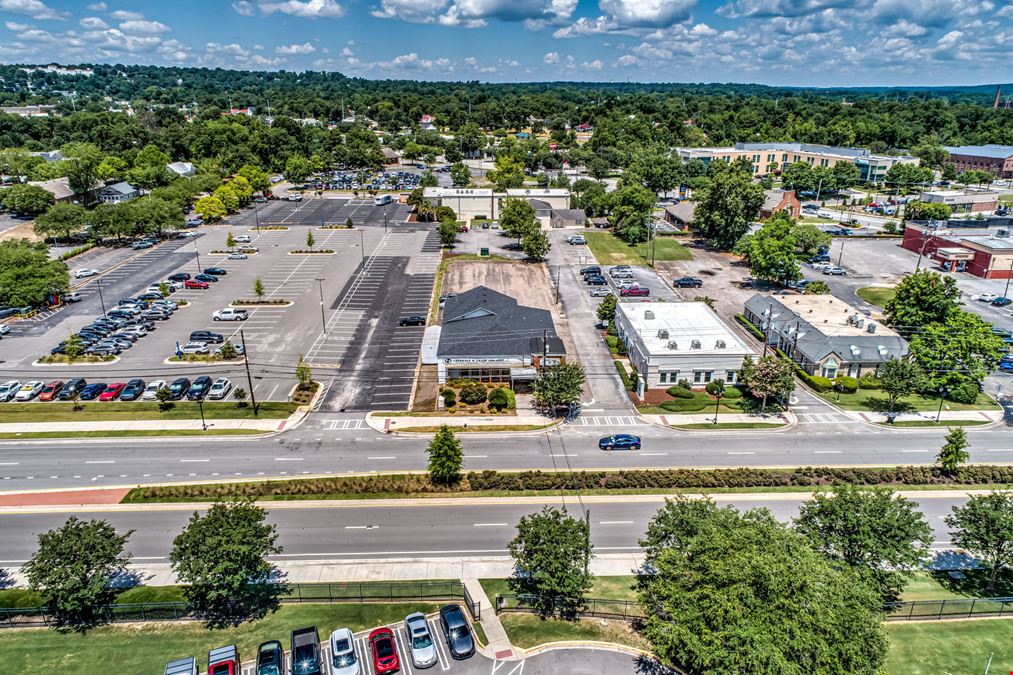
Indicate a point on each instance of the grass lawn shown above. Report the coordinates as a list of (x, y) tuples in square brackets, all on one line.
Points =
[(127, 433), (932, 423), (876, 401), (92, 411), (527, 630), (936, 585), (607, 588), (609, 249), (146, 648), (942, 647), (817, 220), (876, 295), (729, 425)]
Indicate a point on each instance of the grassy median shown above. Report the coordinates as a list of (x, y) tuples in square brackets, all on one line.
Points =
[(608, 249), (98, 411)]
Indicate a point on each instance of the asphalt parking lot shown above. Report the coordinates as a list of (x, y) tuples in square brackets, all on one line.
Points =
[(320, 212)]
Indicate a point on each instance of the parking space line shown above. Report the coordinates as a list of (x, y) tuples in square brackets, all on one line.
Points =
[(441, 654), (406, 661)]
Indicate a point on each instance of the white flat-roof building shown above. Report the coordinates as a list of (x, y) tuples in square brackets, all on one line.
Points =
[(471, 203), (964, 201), (673, 341)]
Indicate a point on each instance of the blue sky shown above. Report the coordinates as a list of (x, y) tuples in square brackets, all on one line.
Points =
[(792, 42)]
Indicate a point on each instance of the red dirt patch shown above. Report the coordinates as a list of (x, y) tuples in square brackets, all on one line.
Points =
[(65, 498)]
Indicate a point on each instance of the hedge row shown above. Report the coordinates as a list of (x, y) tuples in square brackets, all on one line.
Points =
[(77, 251), (584, 480), (757, 333), (624, 376), (817, 382)]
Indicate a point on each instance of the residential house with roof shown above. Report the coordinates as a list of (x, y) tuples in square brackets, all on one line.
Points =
[(181, 169), (117, 193), (681, 215), (823, 334), (58, 187), (775, 201), (487, 336)]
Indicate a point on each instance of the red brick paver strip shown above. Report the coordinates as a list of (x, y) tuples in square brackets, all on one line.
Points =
[(65, 497)]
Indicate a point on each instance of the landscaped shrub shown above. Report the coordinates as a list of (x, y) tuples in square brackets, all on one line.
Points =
[(685, 384), (460, 382), (732, 392), (623, 375), (870, 381), (473, 394), (757, 333), (847, 385), (449, 398), (683, 405), (498, 399), (817, 382), (679, 391), (965, 392)]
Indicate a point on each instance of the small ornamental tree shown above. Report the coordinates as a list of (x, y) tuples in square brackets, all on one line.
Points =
[(303, 373), (954, 451), (607, 309), (163, 289), (816, 288), (310, 241), (230, 241), (164, 398), (258, 288), (445, 457), (229, 350), (74, 347), (447, 231), (559, 385), (240, 395)]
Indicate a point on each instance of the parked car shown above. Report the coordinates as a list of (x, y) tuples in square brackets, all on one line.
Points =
[(601, 293), (149, 296), (248, 249), (236, 256), (29, 390), (224, 661), (144, 243), (985, 297), (151, 391), (206, 336), (92, 391), (384, 651), (215, 271), (621, 274), (195, 348), (230, 314), (220, 389), (69, 391), (687, 282), (178, 388), (456, 632), (187, 666), (635, 292), (103, 349), (576, 239), (193, 283), (112, 391), (343, 659), (51, 390), (305, 644), (209, 278), (617, 268), (85, 273), (1001, 302), (619, 442), (413, 320), (591, 269), (156, 314), (73, 296), (243, 239), (179, 276), (199, 388), (270, 658), (595, 280), (833, 270), (133, 389), (294, 198), (420, 640)]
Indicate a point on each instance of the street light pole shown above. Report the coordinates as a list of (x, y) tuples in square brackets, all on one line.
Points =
[(840, 256), (1005, 293), (323, 320), (362, 246), (256, 214), (98, 284), (200, 405), (197, 253), (939, 413)]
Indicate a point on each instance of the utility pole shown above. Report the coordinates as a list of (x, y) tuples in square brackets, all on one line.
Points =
[(362, 247), (197, 253), (249, 378), (256, 214), (587, 557), (323, 321), (770, 327), (1005, 292), (98, 284), (840, 256)]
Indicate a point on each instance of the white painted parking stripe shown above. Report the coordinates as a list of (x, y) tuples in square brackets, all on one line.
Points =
[(405, 655), (441, 654)]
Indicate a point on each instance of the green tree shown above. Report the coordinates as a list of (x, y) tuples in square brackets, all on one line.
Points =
[(163, 289), (958, 354), (151, 156), (303, 373), (631, 207), (976, 177), (607, 309), (922, 298), (230, 241), (517, 218), (749, 581), (447, 230), (460, 175), (771, 251), (809, 239), (164, 398), (240, 395), (220, 557), (842, 176), (229, 350), (444, 213), (73, 568), (908, 176), (899, 378), (210, 209), (428, 179), (446, 457), (60, 221), (508, 174), (954, 451), (927, 211), (551, 554), (681, 519), (816, 288), (881, 536), (27, 275), (259, 180), (74, 347), (983, 526), (157, 215), (309, 239), (727, 206), (559, 385), (931, 153), (716, 388), (82, 162), (258, 288), (536, 245), (298, 169), (769, 376), (228, 197), (30, 200)]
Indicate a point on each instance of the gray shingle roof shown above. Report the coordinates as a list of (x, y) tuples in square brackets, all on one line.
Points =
[(991, 150), (122, 188), (482, 322)]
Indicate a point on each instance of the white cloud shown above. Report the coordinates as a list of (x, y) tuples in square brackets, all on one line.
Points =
[(33, 8), (535, 13), (243, 7), (648, 12), (93, 23), (551, 57), (415, 11), (305, 48), (593, 65), (97, 7), (771, 8), (627, 60), (307, 9), (142, 26), (346, 52), (125, 15), (16, 27)]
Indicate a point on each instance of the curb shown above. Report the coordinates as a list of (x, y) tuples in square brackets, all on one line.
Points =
[(111, 362), (583, 644)]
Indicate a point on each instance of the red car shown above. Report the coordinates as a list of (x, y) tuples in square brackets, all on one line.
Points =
[(193, 283), (112, 391), (635, 291), (381, 644), (50, 391)]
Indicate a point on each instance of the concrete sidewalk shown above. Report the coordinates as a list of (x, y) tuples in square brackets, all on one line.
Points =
[(386, 423), (499, 646), (274, 424), (987, 416), (674, 419)]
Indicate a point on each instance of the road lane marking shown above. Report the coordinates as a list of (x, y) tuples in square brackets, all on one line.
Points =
[(827, 452), (195, 460), (914, 450), (741, 452), (382, 457), (490, 525), (100, 461), (9, 463), (288, 459), (615, 522)]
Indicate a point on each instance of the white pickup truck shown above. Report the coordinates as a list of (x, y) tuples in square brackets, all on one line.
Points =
[(230, 314)]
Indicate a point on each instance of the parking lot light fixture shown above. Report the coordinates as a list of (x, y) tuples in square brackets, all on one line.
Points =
[(200, 405), (197, 253), (323, 319), (98, 284)]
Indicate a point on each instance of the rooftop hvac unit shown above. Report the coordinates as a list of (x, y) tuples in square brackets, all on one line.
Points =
[(695, 344), (662, 334), (871, 328), (672, 344), (648, 314), (1001, 234), (859, 322), (720, 344)]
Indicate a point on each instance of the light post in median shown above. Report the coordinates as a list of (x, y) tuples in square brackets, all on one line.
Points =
[(98, 284), (197, 254), (323, 320), (200, 405)]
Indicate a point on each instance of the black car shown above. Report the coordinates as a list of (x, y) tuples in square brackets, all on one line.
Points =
[(306, 652), (595, 280), (206, 277), (217, 271), (593, 269), (148, 297), (687, 282), (179, 276), (412, 321), (456, 632), (513, 246), (619, 442), (91, 391), (206, 336), (72, 388), (270, 658), (199, 388), (134, 388), (178, 388)]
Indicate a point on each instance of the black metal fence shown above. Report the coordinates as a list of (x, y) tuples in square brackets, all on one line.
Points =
[(594, 607), (365, 592), (958, 608)]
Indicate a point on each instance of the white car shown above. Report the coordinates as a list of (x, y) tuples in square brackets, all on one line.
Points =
[(627, 284), (220, 389), (29, 390), (294, 198), (230, 314), (85, 273), (195, 347), (152, 389), (820, 266), (188, 234), (139, 331), (168, 304), (237, 256), (420, 640), (8, 389), (601, 293), (243, 239), (985, 297), (343, 659), (5, 330)]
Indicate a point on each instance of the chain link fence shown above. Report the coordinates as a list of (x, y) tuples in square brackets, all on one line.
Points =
[(593, 607), (959, 608)]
